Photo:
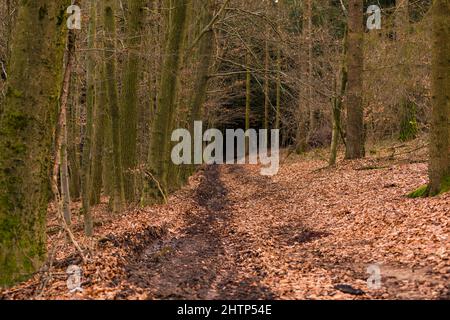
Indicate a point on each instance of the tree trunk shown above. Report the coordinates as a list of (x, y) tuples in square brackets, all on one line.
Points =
[(205, 53), (61, 135), (355, 113), (307, 35), (407, 108), (26, 127), (110, 67), (337, 104), (248, 93), (99, 120), (98, 141), (439, 170), (205, 56), (278, 94), (73, 136), (266, 84), (64, 170), (90, 105), (128, 115), (160, 144)]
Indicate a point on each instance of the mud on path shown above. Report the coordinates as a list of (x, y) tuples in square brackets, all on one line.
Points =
[(234, 234), (301, 236), (205, 261)]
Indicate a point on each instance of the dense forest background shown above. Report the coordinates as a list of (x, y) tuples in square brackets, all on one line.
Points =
[(87, 113)]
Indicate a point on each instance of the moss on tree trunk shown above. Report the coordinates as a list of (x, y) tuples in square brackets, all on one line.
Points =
[(355, 58), (440, 144), (160, 145), (129, 108), (26, 127), (110, 68)]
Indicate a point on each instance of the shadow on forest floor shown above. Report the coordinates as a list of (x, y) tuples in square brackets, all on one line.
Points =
[(197, 265)]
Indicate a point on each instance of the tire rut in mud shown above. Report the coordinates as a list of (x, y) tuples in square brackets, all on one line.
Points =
[(198, 263)]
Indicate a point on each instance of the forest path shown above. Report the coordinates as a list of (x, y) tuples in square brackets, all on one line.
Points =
[(210, 259), (297, 236), (231, 233)]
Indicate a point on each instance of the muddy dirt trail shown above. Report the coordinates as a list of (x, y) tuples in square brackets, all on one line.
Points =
[(255, 237), (208, 260), (310, 232)]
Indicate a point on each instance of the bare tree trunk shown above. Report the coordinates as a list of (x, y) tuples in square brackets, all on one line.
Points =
[(160, 144), (248, 92), (307, 35), (90, 105), (266, 85), (73, 136), (205, 57), (26, 128), (205, 53), (440, 134), (337, 104), (63, 170), (407, 108), (128, 118), (278, 94), (355, 60), (110, 66), (100, 122)]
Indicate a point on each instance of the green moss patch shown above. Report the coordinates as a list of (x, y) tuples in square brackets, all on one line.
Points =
[(424, 191)]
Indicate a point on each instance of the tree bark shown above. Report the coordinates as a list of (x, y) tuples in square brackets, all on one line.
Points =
[(159, 156), (307, 35), (248, 93), (64, 170), (73, 136), (439, 170), (266, 84), (128, 114), (110, 68), (355, 113), (26, 127), (278, 93), (90, 105), (337, 104)]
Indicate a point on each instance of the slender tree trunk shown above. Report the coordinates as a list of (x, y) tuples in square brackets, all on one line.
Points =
[(337, 104), (90, 105), (205, 53), (266, 85), (9, 30), (146, 111), (205, 56), (98, 141), (61, 141), (110, 65), (407, 110), (307, 35), (248, 93), (278, 94), (64, 176), (99, 118), (26, 127), (355, 112), (108, 158), (440, 133), (64, 170), (160, 144), (73, 136), (129, 104)]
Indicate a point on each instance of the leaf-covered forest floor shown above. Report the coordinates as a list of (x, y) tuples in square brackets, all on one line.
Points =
[(233, 234)]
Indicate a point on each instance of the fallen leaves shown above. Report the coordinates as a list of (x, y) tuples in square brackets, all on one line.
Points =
[(233, 234)]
